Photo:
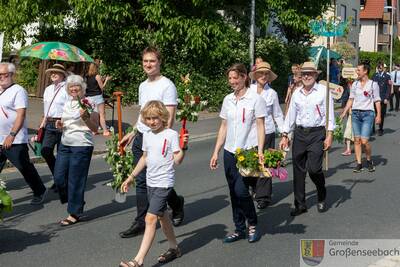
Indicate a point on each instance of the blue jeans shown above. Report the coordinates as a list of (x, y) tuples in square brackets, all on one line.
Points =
[(362, 122), (242, 203), (70, 175)]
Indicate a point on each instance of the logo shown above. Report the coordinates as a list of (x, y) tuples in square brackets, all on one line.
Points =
[(312, 251)]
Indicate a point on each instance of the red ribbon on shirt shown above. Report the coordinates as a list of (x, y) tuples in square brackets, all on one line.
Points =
[(319, 111), (5, 114), (243, 115), (164, 152)]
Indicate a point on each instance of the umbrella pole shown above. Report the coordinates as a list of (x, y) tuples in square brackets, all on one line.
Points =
[(119, 111), (328, 46)]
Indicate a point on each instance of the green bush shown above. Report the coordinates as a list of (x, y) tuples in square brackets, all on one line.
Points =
[(28, 73), (374, 58)]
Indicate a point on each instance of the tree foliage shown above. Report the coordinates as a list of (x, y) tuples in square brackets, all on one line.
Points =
[(201, 37)]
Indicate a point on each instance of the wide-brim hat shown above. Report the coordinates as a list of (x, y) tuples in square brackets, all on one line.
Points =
[(263, 67), (57, 68), (309, 67)]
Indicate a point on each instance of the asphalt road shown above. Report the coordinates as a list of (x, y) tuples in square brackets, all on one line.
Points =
[(360, 206)]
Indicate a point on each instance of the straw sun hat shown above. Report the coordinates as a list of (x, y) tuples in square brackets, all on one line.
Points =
[(309, 67), (57, 68), (263, 67)]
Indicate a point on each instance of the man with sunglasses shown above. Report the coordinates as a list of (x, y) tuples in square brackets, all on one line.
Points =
[(307, 116), (14, 133)]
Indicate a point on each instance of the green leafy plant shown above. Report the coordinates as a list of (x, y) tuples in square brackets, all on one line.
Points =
[(338, 133), (5, 199), (247, 159), (120, 165), (272, 158)]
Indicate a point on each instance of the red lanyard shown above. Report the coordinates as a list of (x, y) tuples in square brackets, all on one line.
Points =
[(243, 115)]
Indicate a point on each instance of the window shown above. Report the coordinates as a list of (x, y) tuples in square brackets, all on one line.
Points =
[(343, 14), (354, 19)]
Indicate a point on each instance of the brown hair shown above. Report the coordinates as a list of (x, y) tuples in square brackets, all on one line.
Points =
[(154, 50), (241, 70), (155, 108), (93, 70)]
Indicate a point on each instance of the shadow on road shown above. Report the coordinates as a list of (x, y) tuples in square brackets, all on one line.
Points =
[(13, 240), (204, 207)]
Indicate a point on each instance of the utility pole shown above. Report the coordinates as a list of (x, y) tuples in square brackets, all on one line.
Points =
[(252, 30)]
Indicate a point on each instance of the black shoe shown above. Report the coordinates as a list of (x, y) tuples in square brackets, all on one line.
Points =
[(371, 166), (134, 230), (358, 168), (178, 215), (298, 211), (380, 132), (321, 206), (262, 205), (54, 188), (391, 109)]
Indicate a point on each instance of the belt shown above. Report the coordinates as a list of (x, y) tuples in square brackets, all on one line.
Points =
[(310, 129), (52, 119), (361, 110)]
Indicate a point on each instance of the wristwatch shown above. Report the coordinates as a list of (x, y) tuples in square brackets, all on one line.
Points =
[(13, 134)]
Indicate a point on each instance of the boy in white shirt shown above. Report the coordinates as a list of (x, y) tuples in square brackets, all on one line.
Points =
[(160, 152)]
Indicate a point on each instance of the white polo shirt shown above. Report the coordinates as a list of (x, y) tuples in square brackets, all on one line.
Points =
[(274, 111), (163, 90), (364, 98), (240, 116), (308, 110), (160, 148), (15, 97), (395, 77), (61, 98)]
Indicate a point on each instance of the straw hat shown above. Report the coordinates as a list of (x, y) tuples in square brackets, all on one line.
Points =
[(309, 67), (57, 68), (263, 67)]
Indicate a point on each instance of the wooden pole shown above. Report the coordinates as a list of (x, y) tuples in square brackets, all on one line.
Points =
[(118, 95), (328, 46)]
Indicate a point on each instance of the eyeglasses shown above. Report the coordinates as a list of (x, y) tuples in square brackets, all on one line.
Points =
[(4, 75)]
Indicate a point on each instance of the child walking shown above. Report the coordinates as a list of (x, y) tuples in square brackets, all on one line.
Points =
[(160, 152)]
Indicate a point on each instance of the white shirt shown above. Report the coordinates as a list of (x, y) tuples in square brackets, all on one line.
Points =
[(75, 130), (364, 101), (61, 98), (163, 90), (274, 111), (15, 97), (309, 110), (395, 76), (160, 148), (240, 116)]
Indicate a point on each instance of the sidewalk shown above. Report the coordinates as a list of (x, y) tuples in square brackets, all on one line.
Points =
[(205, 127)]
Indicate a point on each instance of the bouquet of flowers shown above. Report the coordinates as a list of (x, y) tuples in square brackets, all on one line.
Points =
[(85, 105), (272, 160), (338, 133), (189, 107), (5, 199), (121, 165)]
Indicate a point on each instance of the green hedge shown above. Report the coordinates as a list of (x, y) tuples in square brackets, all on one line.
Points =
[(374, 58)]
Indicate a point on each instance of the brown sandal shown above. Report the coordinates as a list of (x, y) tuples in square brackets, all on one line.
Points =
[(169, 255), (131, 263)]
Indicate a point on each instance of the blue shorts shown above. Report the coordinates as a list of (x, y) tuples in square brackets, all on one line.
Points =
[(362, 122), (157, 197)]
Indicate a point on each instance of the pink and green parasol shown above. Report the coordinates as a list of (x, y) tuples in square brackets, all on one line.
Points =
[(55, 51)]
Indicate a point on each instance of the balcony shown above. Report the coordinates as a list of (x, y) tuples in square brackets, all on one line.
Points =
[(383, 38)]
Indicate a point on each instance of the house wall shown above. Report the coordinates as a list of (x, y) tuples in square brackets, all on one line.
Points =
[(369, 35)]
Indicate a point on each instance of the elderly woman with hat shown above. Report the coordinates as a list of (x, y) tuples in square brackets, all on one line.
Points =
[(242, 126), (75, 151), (307, 116), (263, 75), (54, 98)]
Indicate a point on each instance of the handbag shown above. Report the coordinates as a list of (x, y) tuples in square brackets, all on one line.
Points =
[(40, 135)]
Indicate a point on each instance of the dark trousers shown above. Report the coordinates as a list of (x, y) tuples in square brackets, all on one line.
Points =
[(396, 94), (242, 203), (383, 115), (70, 175), (52, 137), (263, 188), (18, 155), (142, 202), (307, 154)]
